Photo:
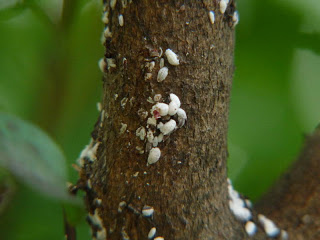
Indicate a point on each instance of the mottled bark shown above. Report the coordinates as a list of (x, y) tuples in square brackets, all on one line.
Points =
[(187, 187), (294, 201)]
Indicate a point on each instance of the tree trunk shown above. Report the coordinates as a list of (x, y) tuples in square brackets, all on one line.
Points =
[(187, 188)]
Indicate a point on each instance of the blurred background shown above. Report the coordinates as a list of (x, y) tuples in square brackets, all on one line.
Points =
[(50, 77)]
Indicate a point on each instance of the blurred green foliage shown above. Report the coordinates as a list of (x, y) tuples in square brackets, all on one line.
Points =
[(49, 76)]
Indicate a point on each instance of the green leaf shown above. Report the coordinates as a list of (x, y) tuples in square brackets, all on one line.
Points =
[(11, 9), (29, 154)]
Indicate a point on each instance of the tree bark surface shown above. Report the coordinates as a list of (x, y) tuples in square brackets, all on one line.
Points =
[(187, 187)]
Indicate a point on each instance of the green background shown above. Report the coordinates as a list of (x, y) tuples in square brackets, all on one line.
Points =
[(50, 77)]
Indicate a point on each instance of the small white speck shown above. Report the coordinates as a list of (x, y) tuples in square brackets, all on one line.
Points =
[(141, 133), (89, 184), (159, 238), (121, 206), (147, 211), (157, 97), (102, 65), (152, 121), (101, 234), (123, 102), (95, 218), (161, 62), (284, 235), (121, 20), (211, 17), (152, 233), (136, 174), (150, 136), (123, 128), (251, 228), (111, 63), (107, 32), (105, 17), (235, 18), (99, 106), (113, 3), (172, 57)]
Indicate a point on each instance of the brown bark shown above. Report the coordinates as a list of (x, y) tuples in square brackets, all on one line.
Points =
[(187, 187), (294, 201)]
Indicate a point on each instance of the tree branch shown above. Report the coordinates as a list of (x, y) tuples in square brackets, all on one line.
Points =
[(294, 200)]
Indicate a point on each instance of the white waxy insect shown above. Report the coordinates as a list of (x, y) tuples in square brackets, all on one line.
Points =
[(91, 153), (121, 20), (95, 218), (160, 137), (162, 74), (161, 62), (182, 117), (99, 106), (123, 128), (211, 17), (235, 18), (168, 127), (123, 102), (150, 136), (269, 227), (181, 114), (160, 125), (153, 157), (172, 57), (150, 66), (173, 108), (251, 228), (241, 213), (101, 234), (155, 141), (111, 63), (152, 233), (105, 17), (223, 5), (175, 98), (159, 238), (157, 97), (162, 108), (107, 32), (152, 121), (98, 201), (147, 211), (113, 3), (121, 206), (124, 3), (102, 65), (248, 203), (103, 38), (284, 235), (141, 133)]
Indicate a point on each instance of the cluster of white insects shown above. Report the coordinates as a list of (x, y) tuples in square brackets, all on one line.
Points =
[(161, 125), (241, 209), (223, 7)]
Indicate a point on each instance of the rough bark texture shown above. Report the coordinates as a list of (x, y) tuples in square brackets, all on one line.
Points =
[(294, 202), (187, 187)]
